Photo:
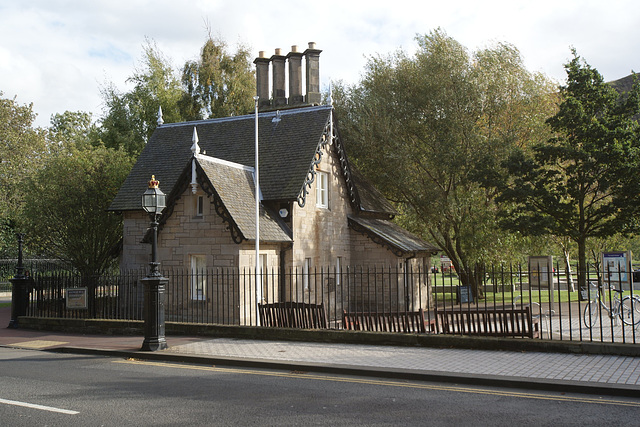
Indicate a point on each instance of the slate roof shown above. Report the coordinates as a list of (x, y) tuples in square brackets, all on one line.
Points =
[(371, 200), (396, 238), (286, 150), (234, 184)]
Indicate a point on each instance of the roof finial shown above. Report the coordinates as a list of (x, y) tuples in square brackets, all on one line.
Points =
[(331, 93), (195, 148), (160, 119)]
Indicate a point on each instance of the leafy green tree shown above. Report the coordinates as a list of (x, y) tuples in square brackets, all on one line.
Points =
[(72, 127), (131, 117), (66, 205), (420, 126), (219, 84), (584, 181), (22, 149)]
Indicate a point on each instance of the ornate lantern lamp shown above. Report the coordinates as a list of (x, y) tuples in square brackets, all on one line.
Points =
[(154, 202)]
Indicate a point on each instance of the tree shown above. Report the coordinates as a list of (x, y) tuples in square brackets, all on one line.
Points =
[(72, 127), (584, 181), (131, 117), (66, 207), (420, 126), (22, 149), (219, 84)]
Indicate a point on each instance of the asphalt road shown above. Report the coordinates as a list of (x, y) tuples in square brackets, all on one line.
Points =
[(39, 388)]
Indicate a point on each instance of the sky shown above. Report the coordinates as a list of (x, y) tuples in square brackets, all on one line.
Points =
[(58, 54)]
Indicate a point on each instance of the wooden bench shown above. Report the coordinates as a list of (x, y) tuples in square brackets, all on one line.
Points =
[(293, 315), (497, 322), (400, 321)]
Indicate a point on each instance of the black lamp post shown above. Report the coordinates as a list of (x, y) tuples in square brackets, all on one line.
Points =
[(19, 289), (153, 202)]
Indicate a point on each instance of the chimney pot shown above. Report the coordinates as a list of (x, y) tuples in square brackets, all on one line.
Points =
[(295, 76), (312, 56), (262, 79), (279, 79)]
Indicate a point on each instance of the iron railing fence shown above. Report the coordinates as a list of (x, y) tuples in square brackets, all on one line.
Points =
[(31, 266), (607, 310), (8, 269), (230, 296), (107, 297)]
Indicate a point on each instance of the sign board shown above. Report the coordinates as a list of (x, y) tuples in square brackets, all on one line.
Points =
[(615, 268), (541, 271), (465, 294), (76, 298), (541, 274)]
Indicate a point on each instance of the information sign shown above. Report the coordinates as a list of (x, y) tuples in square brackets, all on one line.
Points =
[(465, 294), (76, 298)]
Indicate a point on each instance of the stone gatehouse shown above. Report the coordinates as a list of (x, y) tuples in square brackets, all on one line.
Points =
[(315, 210)]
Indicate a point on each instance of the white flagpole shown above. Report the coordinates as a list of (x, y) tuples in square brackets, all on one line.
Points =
[(257, 190)]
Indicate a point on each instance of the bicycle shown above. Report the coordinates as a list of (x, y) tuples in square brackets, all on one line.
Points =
[(627, 308), (537, 313)]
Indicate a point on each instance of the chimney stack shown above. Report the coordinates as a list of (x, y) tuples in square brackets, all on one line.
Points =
[(295, 76), (279, 81), (278, 78), (313, 74), (262, 79)]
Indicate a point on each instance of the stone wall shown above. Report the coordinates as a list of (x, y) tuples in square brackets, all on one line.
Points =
[(322, 234), (135, 254), (185, 234)]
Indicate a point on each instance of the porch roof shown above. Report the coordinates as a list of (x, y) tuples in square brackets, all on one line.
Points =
[(397, 239), (234, 185)]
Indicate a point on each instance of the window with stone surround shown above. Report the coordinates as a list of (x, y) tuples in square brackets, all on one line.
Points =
[(322, 189), (306, 273), (263, 280), (198, 277), (199, 206)]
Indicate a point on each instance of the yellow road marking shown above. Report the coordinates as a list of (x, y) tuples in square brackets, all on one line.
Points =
[(37, 344), (387, 383)]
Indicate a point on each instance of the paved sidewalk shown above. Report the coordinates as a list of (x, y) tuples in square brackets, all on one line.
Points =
[(600, 374)]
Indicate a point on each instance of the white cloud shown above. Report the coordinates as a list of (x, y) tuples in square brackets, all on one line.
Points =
[(57, 53)]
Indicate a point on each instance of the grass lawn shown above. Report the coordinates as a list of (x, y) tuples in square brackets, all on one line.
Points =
[(4, 304), (507, 297)]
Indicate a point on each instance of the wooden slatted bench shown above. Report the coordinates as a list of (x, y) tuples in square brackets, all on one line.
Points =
[(298, 315), (490, 321), (400, 321)]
